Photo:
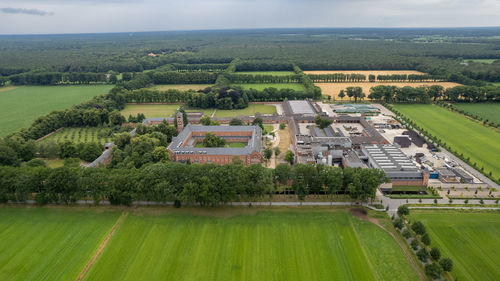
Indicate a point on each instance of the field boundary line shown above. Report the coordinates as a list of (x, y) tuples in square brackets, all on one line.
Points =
[(101, 247)]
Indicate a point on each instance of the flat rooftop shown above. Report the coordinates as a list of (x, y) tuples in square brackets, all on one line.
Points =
[(389, 158), (301, 107)]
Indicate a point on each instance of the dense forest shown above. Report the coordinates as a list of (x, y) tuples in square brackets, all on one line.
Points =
[(272, 49)]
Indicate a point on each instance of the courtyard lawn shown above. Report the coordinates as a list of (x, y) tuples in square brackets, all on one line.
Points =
[(231, 144), (273, 73), (50, 243), (260, 87), (463, 135), (470, 239), (487, 111), (20, 106), (249, 111), (158, 110), (238, 244), (81, 135)]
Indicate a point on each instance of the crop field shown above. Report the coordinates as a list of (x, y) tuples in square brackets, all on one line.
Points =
[(273, 73), (158, 110), (183, 87), (470, 239), (489, 111), (80, 135), (50, 243), (365, 72), (463, 135), (333, 89), (20, 106), (260, 87), (249, 111), (250, 245)]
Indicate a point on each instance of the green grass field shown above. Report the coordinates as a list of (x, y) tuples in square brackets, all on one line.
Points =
[(158, 110), (463, 135), (50, 243), (469, 239), (274, 73), (490, 111), (260, 87), (80, 135), (268, 245), (20, 106), (249, 111)]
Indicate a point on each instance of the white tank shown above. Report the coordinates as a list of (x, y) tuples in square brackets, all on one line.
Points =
[(330, 160), (323, 160)]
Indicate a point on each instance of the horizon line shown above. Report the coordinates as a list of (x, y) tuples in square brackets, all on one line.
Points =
[(244, 29)]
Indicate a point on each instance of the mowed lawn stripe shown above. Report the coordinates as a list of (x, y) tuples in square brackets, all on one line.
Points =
[(469, 239), (49, 244), (266, 246), (463, 135)]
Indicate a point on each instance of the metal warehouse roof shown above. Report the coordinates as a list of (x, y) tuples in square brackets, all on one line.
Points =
[(301, 107)]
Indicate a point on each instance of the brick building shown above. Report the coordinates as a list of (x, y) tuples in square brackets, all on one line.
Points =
[(184, 147)]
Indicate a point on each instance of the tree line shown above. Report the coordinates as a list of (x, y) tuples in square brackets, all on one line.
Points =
[(342, 78), (426, 94), (206, 185), (57, 78)]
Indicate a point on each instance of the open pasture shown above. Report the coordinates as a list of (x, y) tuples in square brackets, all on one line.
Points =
[(260, 87), (486, 61), (82, 135), (183, 87), (249, 111), (20, 106), (239, 244), (470, 239), (50, 243), (273, 73), (159, 110), (487, 111), (463, 135), (333, 89)]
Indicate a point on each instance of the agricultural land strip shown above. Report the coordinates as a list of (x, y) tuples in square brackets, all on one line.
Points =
[(487, 111)]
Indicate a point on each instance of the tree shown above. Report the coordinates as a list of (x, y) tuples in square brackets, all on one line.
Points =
[(67, 150), (435, 253), (122, 139), (115, 118), (283, 173), (322, 122), (90, 151), (418, 227), (398, 223), (160, 154), (403, 211), (289, 157), (426, 239), (258, 122), (8, 156), (277, 151), (341, 94), (212, 140), (406, 233), (446, 264), (235, 122), (268, 153), (205, 120), (433, 270), (422, 254), (414, 244), (282, 126)]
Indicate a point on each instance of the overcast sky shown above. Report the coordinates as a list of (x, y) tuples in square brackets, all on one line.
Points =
[(88, 16)]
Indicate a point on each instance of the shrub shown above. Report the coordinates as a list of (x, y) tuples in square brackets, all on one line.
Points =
[(41, 199), (398, 223), (418, 227), (433, 270), (422, 255), (446, 264), (414, 244), (177, 203), (426, 239), (282, 126), (406, 234), (435, 253), (403, 210)]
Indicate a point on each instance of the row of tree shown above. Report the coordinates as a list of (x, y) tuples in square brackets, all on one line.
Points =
[(207, 184), (56, 78), (249, 78), (424, 94)]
